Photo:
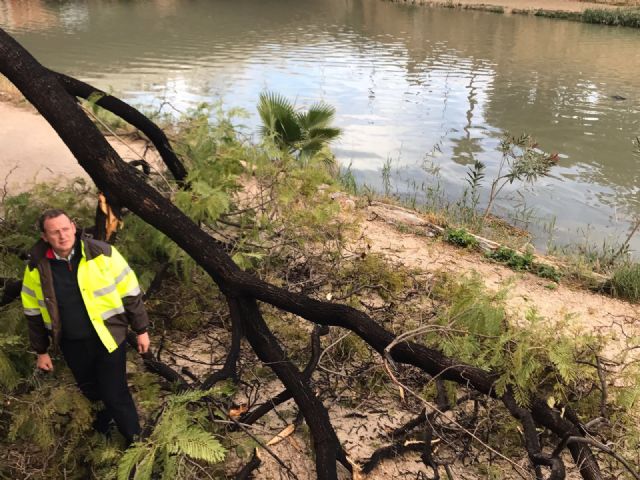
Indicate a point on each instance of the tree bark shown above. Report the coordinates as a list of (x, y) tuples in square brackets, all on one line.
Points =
[(130, 115)]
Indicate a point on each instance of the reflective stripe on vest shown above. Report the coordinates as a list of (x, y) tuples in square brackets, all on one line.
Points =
[(33, 298)]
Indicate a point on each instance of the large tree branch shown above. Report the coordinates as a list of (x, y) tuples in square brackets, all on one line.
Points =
[(325, 441), (130, 115)]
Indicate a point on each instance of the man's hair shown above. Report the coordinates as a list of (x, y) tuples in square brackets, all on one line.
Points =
[(50, 213)]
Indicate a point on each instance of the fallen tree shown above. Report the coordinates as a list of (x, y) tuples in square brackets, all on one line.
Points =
[(123, 188)]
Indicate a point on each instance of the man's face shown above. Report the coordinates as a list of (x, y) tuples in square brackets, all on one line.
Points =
[(60, 233)]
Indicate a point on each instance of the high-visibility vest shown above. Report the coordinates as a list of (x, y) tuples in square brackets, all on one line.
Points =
[(104, 281)]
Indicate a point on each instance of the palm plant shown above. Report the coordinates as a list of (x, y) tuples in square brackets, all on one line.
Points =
[(303, 134)]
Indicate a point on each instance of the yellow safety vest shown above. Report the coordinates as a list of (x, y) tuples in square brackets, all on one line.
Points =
[(104, 281)]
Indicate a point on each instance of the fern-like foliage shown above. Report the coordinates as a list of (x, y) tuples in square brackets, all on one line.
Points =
[(528, 355), (51, 411), (9, 375), (180, 432)]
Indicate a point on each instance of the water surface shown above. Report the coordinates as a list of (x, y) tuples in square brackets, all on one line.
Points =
[(413, 86)]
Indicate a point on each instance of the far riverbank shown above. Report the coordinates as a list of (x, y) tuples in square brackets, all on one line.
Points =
[(533, 5), (613, 12)]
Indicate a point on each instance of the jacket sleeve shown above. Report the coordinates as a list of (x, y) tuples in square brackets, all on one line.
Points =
[(129, 289), (136, 313), (38, 333)]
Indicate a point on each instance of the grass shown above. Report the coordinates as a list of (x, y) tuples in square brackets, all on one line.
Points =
[(624, 17), (628, 16), (625, 282), (560, 14)]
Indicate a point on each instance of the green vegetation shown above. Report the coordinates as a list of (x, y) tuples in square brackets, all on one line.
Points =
[(618, 17), (460, 237), (625, 282), (178, 433), (530, 354), (303, 134), (525, 262), (559, 14), (521, 161), (623, 16), (264, 231)]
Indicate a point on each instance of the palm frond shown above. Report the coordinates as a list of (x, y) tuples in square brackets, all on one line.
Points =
[(319, 115), (324, 134), (279, 118)]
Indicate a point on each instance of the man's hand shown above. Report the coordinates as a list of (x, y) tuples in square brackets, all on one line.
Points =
[(143, 342), (44, 362)]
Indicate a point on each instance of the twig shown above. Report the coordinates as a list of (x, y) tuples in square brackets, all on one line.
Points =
[(255, 439), (603, 387), (388, 361), (594, 443)]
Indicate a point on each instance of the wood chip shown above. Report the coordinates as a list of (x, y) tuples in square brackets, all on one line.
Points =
[(288, 430)]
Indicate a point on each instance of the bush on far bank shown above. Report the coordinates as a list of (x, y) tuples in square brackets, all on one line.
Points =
[(616, 17)]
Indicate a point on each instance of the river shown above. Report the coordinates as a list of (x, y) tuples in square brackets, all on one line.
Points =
[(425, 91)]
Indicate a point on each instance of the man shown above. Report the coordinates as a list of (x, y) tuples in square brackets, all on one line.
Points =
[(82, 293)]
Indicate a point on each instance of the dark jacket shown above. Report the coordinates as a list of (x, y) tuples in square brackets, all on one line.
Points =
[(134, 315)]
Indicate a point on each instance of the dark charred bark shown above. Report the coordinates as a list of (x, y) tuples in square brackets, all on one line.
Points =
[(531, 440), (264, 343), (130, 115), (230, 367), (157, 367), (113, 177), (254, 415), (246, 472), (390, 451), (156, 283)]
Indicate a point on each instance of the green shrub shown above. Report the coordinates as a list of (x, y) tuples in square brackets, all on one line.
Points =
[(524, 262), (618, 17), (460, 237), (512, 258), (625, 282), (547, 271), (561, 14), (529, 355)]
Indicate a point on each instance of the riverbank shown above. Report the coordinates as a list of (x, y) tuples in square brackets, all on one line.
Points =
[(390, 230), (622, 13), (384, 260)]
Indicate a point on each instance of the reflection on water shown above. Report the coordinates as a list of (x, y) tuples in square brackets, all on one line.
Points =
[(410, 84)]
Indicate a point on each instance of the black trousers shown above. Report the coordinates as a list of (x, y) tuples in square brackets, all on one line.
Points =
[(102, 376)]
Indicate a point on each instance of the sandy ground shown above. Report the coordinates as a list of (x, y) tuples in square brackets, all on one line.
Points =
[(510, 5), (526, 290), (31, 151)]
